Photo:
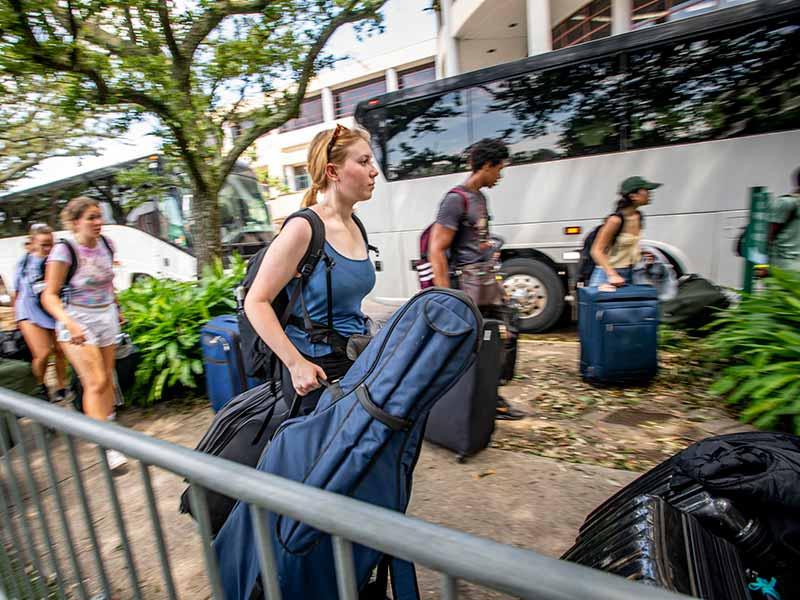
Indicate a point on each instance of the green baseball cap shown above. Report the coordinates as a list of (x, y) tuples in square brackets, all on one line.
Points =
[(631, 184)]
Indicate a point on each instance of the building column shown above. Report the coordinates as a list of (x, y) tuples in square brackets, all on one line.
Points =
[(391, 80), (327, 105), (540, 29), (621, 16), (451, 66), (289, 172)]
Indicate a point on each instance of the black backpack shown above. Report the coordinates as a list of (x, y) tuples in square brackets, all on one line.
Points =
[(38, 284), (586, 263), (259, 360)]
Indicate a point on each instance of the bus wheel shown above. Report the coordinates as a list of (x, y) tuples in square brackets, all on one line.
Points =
[(139, 277), (538, 291)]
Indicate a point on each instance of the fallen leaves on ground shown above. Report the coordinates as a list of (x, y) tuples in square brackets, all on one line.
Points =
[(631, 428)]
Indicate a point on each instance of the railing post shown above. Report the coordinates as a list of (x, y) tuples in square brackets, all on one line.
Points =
[(345, 568), (60, 508), (15, 542), (158, 532), (200, 512), (87, 514), (126, 546), (266, 555), (27, 530)]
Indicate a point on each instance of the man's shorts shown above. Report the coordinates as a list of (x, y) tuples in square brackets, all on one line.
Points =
[(101, 325)]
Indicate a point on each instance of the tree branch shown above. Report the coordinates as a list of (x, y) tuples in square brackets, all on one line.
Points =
[(263, 125), (163, 17), (129, 23), (208, 22)]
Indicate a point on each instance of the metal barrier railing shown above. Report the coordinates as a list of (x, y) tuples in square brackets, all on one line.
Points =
[(32, 570)]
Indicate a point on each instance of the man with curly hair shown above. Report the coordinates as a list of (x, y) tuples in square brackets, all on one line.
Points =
[(460, 248)]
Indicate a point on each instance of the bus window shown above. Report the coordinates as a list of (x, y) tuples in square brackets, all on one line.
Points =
[(426, 137), (171, 221), (572, 111), (739, 82), (241, 208)]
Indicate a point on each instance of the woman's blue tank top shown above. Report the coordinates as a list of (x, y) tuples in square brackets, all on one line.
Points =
[(351, 281)]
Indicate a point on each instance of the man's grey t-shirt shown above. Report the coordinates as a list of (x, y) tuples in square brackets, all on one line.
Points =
[(466, 246)]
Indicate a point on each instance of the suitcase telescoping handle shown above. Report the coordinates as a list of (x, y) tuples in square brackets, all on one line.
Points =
[(218, 339)]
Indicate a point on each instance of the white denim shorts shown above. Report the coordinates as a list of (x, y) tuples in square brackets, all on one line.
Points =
[(101, 325)]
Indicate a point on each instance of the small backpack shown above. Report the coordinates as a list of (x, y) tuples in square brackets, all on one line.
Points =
[(586, 263), (423, 266), (38, 285), (258, 358)]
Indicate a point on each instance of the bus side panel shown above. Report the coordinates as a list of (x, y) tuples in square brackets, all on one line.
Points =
[(139, 252)]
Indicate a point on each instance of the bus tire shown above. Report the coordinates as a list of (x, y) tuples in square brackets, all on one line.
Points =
[(538, 290), (139, 277)]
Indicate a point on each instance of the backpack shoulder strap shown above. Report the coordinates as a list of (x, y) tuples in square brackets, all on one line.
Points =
[(108, 246), (464, 197), (316, 246), (73, 263), (363, 231)]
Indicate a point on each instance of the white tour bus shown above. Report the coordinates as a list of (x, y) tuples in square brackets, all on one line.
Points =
[(152, 235), (709, 106)]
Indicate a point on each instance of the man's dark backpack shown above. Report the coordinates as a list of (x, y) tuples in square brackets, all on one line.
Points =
[(423, 265), (38, 284), (586, 263), (258, 358)]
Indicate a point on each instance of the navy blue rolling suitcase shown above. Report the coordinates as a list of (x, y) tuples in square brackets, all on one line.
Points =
[(619, 334), (222, 361)]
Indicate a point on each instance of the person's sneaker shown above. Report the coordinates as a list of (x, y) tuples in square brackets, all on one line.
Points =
[(115, 459), (42, 393), (61, 395), (504, 411)]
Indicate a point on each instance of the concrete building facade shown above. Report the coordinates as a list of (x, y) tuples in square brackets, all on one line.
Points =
[(332, 99), (473, 34)]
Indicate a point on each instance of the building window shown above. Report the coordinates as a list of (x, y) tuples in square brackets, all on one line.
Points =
[(653, 12), (302, 180), (416, 76), (590, 22), (310, 114), (345, 100)]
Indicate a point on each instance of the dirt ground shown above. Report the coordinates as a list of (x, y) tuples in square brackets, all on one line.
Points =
[(532, 488)]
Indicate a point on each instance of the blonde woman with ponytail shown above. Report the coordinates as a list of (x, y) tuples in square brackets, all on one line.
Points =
[(342, 171)]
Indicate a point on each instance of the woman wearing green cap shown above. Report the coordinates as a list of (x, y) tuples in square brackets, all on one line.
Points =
[(616, 247)]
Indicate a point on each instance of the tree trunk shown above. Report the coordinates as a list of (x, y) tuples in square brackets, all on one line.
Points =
[(205, 227)]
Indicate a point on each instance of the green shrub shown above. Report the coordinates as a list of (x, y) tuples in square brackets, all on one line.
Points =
[(759, 342), (164, 318)]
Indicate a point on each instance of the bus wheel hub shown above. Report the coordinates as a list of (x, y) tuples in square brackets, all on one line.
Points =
[(528, 292)]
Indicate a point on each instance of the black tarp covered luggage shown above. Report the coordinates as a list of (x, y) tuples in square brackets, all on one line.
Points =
[(743, 487), (696, 304), (240, 432), (463, 419), (647, 540)]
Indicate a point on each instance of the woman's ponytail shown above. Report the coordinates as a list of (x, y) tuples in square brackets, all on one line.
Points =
[(310, 197)]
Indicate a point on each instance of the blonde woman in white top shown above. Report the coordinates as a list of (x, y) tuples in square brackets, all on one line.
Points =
[(616, 248)]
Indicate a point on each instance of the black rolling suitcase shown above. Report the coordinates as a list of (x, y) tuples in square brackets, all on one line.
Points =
[(240, 432), (648, 540), (463, 419), (509, 334)]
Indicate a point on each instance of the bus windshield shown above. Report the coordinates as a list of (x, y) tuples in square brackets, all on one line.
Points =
[(163, 212)]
